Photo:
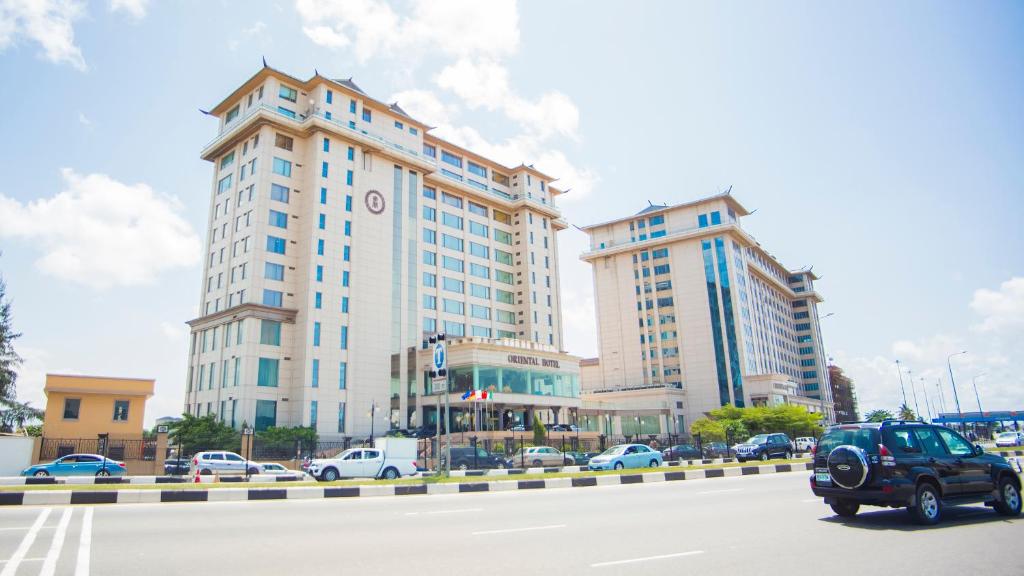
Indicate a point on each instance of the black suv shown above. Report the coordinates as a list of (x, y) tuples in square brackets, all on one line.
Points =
[(915, 465), (765, 446), (464, 458)]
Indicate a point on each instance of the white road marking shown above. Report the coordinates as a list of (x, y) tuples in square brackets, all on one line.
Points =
[(15, 560), (646, 559), (84, 543), (721, 491), (50, 565), (508, 530), (22, 528), (39, 559)]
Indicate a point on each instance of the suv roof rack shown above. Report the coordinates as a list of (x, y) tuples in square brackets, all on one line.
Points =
[(886, 422)]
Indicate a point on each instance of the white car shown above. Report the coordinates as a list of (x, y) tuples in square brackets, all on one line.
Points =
[(275, 468), (805, 443), (390, 458), (221, 462), (1010, 439)]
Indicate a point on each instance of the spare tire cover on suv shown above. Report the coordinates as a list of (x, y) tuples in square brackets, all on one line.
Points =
[(848, 466)]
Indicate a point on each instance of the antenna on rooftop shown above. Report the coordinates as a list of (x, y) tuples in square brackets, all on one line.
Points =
[(264, 61), (729, 191)]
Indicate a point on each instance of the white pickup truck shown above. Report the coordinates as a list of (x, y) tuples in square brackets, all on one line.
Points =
[(389, 458)]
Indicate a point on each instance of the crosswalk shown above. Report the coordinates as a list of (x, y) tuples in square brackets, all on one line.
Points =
[(49, 531)]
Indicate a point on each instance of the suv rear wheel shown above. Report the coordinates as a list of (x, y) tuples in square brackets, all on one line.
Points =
[(845, 508), (927, 506), (764, 456), (1009, 502)]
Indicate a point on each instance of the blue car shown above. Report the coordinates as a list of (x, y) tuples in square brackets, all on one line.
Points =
[(77, 465), (626, 456)]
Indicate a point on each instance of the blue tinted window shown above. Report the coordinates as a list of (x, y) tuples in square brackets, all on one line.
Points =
[(282, 167), (273, 271), (451, 158), (327, 144), (656, 220), (275, 244), (279, 219), (716, 218), (272, 298), (279, 193), (367, 115), (348, 177), (323, 195), (348, 203), (702, 220)]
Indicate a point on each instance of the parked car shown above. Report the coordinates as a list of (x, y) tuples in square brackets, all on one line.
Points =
[(626, 456), (176, 466), (518, 428), (275, 468), (920, 466), (77, 465), (560, 427), (805, 443), (400, 433), (1010, 439), (681, 452), (716, 450), (222, 462), (466, 458), (581, 458), (539, 456), (764, 446), (390, 458)]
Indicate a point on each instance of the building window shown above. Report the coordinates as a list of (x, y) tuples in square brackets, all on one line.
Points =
[(231, 115), (716, 218), (451, 220), (330, 96), (266, 414), (279, 193), (367, 115), (453, 285), (278, 219), (120, 410), (289, 94), (429, 151), (344, 337), (451, 158), (316, 333), (477, 169), (451, 242), (272, 298), (275, 244), (429, 214), (344, 304), (267, 375), (273, 271), (284, 142), (270, 332), (451, 200), (502, 236), (282, 167), (224, 184), (399, 125), (477, 228), (342, 375), (348, 203), (72, 405), (318, 300), (341, 417), (352, 106), (453, 264)]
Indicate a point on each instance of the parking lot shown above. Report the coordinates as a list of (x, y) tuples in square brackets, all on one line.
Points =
[(767, 524)]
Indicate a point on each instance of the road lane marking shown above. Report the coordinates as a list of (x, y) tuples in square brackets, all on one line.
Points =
[(50, 565), (646, 559), (15, 560), (507, 530), (721, 491), (84, 542), (39, 559)]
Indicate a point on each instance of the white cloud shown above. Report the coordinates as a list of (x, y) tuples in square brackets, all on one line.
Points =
[(373, 28), (46, 22), (32, 375), (1001, 309), (101, 232), (994, 360), (134, 8), (84, 120), (426, 107), (247, 33)]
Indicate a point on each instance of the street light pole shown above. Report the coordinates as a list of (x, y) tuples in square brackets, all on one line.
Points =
[(902, 389), (927, 404), (974, 382), (917, 409), (952, 381)]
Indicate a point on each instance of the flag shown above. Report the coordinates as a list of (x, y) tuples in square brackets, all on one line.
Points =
[(476, 395)]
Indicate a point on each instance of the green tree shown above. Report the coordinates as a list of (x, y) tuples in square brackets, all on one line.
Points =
[(906, 413), (9, 359), (198, 433), (538, 431), (708, 429), (14, 415), (879, 415), (307, 435)]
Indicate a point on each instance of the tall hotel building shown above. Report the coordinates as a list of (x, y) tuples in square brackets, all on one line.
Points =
[(693, 314), (341, 236)]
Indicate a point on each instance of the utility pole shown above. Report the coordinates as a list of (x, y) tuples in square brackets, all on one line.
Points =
[(942, 398), (927, 405), (902, 389), (917, 409), (952, 380)]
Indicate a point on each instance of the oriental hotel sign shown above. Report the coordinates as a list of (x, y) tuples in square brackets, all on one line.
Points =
[(532, 361)]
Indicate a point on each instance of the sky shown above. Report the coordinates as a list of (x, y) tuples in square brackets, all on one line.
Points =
[(881, 143)]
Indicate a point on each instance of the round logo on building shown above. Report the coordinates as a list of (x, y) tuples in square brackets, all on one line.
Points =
[(375, 201)]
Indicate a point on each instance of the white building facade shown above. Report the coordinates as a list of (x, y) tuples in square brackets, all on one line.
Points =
[(688, 301), (341, 235)]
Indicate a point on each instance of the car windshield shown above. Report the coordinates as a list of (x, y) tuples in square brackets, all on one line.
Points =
[(759, 439), (1008, 435), (614, 451), (864, 438)]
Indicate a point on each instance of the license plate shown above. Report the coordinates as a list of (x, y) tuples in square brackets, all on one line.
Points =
[(822, 478)]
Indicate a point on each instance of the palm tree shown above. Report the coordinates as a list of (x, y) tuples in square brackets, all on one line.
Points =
[(906, 413), (879, 416), (14, 415), (9, 359)]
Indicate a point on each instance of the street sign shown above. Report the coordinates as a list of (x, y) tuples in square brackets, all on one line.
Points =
[(440, 358)]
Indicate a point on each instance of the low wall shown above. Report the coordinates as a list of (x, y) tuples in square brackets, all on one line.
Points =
[(15, 454)]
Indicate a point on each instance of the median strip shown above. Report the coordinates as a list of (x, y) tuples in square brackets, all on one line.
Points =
[(109, 494)]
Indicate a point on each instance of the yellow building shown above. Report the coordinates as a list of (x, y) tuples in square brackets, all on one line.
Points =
[(86, 406)]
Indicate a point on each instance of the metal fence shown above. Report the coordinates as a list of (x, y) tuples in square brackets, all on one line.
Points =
[(117, 449)]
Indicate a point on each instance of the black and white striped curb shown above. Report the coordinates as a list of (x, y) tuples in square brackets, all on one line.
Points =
[(86, 480), (554, 469), (128, 496)]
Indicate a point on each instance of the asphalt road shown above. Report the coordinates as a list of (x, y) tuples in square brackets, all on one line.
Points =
[(747, 525)]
